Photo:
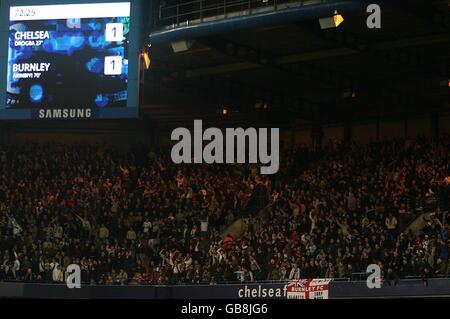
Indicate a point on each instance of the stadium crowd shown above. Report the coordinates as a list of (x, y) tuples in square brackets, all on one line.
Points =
[(136, 218)]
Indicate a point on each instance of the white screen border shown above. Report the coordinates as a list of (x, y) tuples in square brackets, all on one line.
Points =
[(70, 11)]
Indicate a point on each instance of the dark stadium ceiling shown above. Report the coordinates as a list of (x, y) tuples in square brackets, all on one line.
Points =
[(305, 73)]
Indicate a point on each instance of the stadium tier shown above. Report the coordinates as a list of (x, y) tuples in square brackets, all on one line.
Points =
[(232, 149), (130, 219)]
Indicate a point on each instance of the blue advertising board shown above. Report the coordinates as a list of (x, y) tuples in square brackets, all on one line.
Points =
[(250, 291)]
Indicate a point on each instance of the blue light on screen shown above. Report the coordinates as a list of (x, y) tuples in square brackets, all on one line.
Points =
[(36, 93)]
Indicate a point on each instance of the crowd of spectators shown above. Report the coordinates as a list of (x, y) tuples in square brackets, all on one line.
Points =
[(134, 217)]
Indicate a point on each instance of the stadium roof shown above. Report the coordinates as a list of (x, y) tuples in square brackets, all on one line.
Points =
[(304, 73)]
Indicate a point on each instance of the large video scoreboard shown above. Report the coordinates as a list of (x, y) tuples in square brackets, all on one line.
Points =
[(70, 60)]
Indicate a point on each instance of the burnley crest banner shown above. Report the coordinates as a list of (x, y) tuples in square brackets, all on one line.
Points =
[(308, 289)]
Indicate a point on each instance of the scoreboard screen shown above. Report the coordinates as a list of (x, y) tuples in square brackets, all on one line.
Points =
[(69, 61)]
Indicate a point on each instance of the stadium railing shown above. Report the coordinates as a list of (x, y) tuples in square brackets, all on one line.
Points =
[(202, 10)]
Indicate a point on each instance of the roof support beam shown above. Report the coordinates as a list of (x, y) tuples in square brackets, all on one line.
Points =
[(386, 50)]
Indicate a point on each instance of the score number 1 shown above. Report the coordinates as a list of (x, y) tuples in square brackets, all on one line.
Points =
[(114, 32), (113, 65)]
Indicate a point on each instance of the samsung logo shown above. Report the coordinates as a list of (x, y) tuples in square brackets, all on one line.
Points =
[(65, 114)]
